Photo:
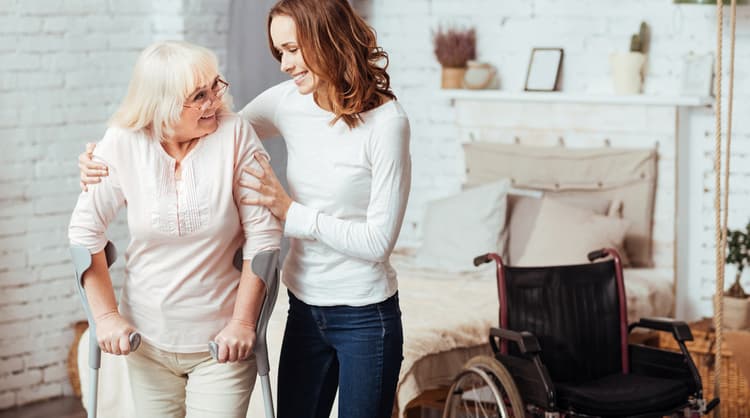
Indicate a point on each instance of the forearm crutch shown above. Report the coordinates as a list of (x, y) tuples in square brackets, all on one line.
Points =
[(82, 261), (266, 266)]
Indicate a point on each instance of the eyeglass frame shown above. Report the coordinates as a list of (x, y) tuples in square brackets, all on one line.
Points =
[(216, 95)]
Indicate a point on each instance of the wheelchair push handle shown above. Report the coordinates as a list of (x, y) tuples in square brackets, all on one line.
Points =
[(605, 252), (482, 259), (488, 258), (595, 255), (711, 405)]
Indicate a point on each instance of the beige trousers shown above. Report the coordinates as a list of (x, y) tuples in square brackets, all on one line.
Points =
[(192, 385)]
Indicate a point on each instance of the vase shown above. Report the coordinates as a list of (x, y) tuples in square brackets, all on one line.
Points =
[(452, 78), (480, 75), (736, 313), (627, 72)]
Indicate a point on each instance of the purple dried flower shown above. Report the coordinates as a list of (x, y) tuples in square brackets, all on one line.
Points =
[(454, 47)]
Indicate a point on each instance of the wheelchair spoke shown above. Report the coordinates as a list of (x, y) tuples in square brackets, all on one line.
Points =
[(479, 396), (477, 392)]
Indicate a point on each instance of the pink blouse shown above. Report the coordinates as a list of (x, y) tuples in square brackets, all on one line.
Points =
[(180, 284)]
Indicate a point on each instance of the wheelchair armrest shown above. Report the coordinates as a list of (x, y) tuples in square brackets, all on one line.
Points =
[(526, 341), (679, 329), (535, 379)]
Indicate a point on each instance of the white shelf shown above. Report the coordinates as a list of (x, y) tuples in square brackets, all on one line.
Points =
[(562, 97)]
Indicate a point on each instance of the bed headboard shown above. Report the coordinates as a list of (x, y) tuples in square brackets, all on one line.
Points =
[(568, 125), (628, 175)]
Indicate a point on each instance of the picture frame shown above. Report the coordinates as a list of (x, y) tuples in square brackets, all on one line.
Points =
[(697, 75), (543, 73)]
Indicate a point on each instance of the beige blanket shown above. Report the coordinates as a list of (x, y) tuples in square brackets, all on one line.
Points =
[(446, 321)]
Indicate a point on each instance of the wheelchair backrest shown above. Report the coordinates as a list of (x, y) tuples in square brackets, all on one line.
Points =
[(574, 311)]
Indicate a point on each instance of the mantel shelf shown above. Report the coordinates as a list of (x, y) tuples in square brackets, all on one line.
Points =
[(562, 97)]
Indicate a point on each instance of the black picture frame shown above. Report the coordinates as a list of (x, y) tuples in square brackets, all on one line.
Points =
[(543, 72)]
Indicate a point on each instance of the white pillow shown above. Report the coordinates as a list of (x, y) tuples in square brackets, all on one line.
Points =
[(458, 228)]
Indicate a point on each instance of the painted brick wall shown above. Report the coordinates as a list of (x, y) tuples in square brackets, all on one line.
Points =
[(589, 31), (64, 66)]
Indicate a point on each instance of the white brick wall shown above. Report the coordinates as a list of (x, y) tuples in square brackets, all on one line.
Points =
[(589, 31), (64, 66)]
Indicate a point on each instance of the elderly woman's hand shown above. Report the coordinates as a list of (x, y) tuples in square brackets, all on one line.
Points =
[(112, 333), (235, 341), (91, 172), (270, 192)]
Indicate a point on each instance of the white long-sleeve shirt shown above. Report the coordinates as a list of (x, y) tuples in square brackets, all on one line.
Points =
[(350, 188), (180, 284)]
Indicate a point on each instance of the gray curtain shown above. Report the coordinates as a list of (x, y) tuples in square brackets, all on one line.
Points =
[(250, 66), (251, 69)]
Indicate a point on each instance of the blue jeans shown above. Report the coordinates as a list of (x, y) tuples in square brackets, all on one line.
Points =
[(357, 349)]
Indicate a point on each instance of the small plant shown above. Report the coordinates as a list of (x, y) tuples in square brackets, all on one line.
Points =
[(455, 47), (639, 41), (738, 254)]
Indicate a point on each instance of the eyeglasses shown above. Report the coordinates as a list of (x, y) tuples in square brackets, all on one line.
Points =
[(205, 97)]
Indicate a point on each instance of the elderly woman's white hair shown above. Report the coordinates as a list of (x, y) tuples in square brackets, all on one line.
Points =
[(165, 74)]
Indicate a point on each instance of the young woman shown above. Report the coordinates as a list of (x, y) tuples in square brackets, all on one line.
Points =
[(349, 174), (174, 154)]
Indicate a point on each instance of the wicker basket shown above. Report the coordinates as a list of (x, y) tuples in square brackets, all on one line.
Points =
[(735, 394), (75, 381)]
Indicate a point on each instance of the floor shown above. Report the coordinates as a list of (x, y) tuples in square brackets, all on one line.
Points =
[(70, 407), (65, 407)]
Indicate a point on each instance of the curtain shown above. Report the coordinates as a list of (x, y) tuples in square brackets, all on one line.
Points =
[(251, 69)]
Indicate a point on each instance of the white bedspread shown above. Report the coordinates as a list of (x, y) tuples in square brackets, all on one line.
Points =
[(446, 321)]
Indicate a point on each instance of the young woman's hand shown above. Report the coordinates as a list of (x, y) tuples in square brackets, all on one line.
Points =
[(91, 172), (235, 341), (272, 194), (112, 333)]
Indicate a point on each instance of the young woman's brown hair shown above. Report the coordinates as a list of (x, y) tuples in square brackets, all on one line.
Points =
[(341, 50)]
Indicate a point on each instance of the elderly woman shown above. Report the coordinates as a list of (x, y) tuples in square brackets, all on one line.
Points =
[(174, 154)]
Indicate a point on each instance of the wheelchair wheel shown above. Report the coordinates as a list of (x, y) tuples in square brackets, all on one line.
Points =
[(483, 389)]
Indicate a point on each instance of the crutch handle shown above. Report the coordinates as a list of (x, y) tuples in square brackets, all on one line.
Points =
[(135, 340), (213, 348)]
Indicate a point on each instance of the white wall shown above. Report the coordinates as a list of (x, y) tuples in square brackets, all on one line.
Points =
[(64, 65), (588, 30)]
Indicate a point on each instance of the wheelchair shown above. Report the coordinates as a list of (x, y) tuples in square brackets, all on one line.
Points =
[(562, 351)]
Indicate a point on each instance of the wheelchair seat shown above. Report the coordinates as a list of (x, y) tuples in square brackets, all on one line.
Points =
[(622, 394)]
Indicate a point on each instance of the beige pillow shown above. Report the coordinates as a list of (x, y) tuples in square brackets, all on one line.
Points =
[(523, 211), (565, 234)]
